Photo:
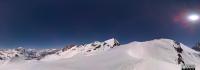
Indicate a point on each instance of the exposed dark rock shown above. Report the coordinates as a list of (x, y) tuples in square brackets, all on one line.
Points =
[(178, 47), (68, 47), (89, 51), (97, 47)]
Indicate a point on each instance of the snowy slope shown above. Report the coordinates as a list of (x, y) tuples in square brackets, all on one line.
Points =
[(158, 54), (86, 50)]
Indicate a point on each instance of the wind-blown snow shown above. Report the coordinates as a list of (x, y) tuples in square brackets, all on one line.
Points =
[(158, 54)]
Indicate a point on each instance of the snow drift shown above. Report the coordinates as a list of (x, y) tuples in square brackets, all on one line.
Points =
[(158, 54)]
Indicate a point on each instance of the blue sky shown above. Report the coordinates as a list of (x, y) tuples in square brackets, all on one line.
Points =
[(56, 23)]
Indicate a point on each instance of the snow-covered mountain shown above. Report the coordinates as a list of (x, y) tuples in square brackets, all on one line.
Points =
[(66, 52), (158, 54), (86, 50), (25, 54)]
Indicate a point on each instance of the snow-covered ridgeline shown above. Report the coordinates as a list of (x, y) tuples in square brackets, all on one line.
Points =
[(158, 54)]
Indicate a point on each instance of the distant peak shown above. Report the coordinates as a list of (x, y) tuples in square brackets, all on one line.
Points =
[(20, 49), (112, 39), (112, 42)]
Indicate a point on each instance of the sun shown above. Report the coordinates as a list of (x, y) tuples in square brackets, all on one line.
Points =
[(193, 17)]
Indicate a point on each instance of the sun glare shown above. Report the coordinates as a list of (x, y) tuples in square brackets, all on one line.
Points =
[(193, 17)]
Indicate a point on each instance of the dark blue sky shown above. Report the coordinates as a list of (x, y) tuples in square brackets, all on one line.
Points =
[(55, 23)]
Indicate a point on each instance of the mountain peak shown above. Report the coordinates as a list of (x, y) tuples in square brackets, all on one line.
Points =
[(19, 49), (112, 42)]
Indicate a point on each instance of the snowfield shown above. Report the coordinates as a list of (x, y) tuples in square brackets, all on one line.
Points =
[(158, 54)]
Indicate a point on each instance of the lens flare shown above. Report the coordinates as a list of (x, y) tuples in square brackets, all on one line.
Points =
[(193, 17)]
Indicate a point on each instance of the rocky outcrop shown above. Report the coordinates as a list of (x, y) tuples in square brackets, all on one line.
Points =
[(68, 47)]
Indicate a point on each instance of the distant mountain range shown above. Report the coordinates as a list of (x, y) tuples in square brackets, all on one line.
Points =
[(66, 52)]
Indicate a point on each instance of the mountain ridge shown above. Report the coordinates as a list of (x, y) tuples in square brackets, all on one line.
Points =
[(157, 54), (33, 54)]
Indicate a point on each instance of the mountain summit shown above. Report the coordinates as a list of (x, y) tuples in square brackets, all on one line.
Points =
[(112, 42)]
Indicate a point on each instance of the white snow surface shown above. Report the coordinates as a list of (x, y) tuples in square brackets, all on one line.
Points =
[(158, 54)]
